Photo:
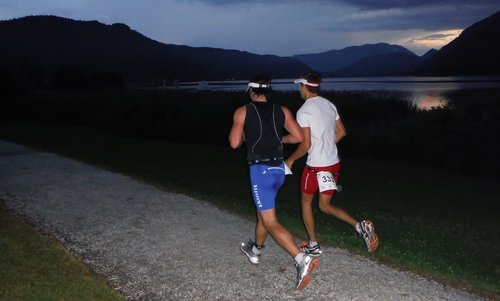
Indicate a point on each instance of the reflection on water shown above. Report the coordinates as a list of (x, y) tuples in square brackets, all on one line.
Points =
[(429, 102), (411, 83), (426, 92)]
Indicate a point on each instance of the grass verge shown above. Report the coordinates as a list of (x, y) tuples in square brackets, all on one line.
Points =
[(439, 224), (35, 267)]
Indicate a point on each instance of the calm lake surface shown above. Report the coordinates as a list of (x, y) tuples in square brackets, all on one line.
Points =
[(425, 92)]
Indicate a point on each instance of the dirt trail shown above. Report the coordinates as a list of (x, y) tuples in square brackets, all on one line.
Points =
[(154, 245)]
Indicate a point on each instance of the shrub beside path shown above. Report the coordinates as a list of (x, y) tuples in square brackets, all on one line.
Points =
[(154, 245)]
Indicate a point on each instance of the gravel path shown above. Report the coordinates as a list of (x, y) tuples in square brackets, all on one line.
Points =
[(154, 245)]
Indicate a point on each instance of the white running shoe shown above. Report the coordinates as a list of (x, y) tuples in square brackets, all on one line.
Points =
[(313, 251), (246, 248), (369, 235), (304, 270)]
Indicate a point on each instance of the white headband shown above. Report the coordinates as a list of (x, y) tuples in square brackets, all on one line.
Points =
[(305, 82), (256, 85)]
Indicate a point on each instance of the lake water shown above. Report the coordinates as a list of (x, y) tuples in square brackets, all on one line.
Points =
[(426, 92)]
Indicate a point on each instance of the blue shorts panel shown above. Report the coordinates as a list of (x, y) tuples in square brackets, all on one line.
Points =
[(266, 181)]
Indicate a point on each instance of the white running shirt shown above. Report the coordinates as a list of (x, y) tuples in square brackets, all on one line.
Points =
[(320, 115)]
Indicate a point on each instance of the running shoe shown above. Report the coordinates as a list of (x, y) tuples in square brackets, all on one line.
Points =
[(313, 251), (304, 270), (368, 234), (246, 248)]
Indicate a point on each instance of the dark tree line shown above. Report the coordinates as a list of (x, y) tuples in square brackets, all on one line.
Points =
[(462, 137)]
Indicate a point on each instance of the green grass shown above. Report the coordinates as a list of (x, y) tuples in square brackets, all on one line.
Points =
[(35, 267), (439, 224)]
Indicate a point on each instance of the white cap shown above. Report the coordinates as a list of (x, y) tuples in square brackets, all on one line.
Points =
[(305, 82), (258, 86)]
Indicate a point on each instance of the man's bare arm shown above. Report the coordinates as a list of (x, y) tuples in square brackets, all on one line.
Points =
[(340, 131), (292, 127), (236, 133), (302, 148)]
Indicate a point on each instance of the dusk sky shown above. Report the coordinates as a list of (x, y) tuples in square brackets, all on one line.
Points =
[(280, 27)]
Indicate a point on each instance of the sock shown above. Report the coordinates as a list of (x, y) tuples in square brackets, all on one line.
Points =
[(313, 244), (299, 258), (256, 250), (358, 227)]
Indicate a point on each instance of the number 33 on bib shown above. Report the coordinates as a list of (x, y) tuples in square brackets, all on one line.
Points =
[(326, 181)]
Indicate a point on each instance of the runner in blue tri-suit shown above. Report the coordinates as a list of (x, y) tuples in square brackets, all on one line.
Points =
[(260, 124)]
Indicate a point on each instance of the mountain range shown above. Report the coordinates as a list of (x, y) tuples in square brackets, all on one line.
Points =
[(45, 45), (334, 60), (48, 44)]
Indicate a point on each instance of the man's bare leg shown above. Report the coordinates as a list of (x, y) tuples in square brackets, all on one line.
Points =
[(305, 264), (326, 207), (278, 232), (260, 232), (308, 216)]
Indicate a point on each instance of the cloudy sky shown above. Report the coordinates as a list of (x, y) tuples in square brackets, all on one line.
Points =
[(280, 27)]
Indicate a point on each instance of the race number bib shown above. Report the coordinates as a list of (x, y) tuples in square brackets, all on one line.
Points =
[(326, 181)]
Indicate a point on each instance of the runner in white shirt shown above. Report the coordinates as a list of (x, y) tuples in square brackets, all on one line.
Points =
[(318, 114), (322, 129)]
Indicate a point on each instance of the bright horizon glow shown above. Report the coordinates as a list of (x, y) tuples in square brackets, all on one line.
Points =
[(434, 40)]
